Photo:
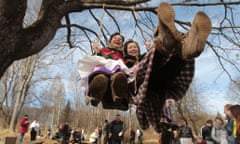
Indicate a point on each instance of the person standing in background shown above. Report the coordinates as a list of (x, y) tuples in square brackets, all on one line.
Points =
[(66, 133), (34, 127), (229, 125), (219, 133), (235, 111), (93, 139), (206, 132), (24, 123), (185, 133), (117, 129)]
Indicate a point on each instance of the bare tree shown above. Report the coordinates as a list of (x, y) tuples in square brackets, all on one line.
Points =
[(56, 96), (20, 84), (6, 86), (191, 109), (66, 113), (15, 87), (20, 88), (234, 91), (74, 87)]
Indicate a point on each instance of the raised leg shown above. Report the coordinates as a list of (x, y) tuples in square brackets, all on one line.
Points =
[(167, 37), (166, 15), (196, 38)]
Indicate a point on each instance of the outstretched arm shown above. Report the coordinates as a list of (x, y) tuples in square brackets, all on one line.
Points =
[(95, 47), (148, 44)]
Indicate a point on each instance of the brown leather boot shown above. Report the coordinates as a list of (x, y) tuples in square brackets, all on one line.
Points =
[(166, 15), (97, 89), (163, 39), (194, 42), (119, 87), (166, 35)]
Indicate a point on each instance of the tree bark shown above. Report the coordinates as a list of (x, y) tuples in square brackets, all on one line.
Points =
[(18, 42)]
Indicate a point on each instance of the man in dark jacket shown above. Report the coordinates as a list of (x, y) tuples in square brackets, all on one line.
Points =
[(117, 129), (206, 132), (185, 133), (66, 132)]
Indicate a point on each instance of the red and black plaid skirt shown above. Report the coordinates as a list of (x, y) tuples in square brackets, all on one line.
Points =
[(160, 77)]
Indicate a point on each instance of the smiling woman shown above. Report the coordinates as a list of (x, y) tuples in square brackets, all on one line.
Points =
[(108, 84)]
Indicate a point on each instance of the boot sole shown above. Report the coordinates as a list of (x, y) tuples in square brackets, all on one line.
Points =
[(196, 38), (119, 87), (166, 15), (98, 88)]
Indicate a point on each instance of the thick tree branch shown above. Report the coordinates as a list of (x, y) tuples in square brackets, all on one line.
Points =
[(67, 18)]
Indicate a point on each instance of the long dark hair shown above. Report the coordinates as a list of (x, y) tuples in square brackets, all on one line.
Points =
[(127, 43), (235, 110), (130, 60)]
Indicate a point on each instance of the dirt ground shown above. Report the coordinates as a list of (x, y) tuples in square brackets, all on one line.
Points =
[(7, 133), (149, 137)]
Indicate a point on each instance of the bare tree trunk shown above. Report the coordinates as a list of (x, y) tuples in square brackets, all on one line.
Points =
[(22, 88), (16, 110)]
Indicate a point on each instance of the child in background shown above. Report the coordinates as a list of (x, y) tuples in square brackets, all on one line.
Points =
[(219, 133)]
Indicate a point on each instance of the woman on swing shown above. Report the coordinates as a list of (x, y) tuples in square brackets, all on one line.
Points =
[(114, 88), (166, 71), (109, 86)]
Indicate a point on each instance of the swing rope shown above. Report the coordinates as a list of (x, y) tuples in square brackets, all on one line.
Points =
[(135, 18), (101, 25)]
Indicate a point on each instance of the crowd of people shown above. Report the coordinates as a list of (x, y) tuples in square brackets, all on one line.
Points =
[(223, 130), (111, 132), (67, 134), (220, 130), (114, 133)]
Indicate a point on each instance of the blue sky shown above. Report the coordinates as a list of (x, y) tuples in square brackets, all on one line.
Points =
[(212, 82)]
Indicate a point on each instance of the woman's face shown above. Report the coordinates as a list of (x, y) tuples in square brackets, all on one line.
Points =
[(117, 42), (218, 122), (132, 49), (227, 112)]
